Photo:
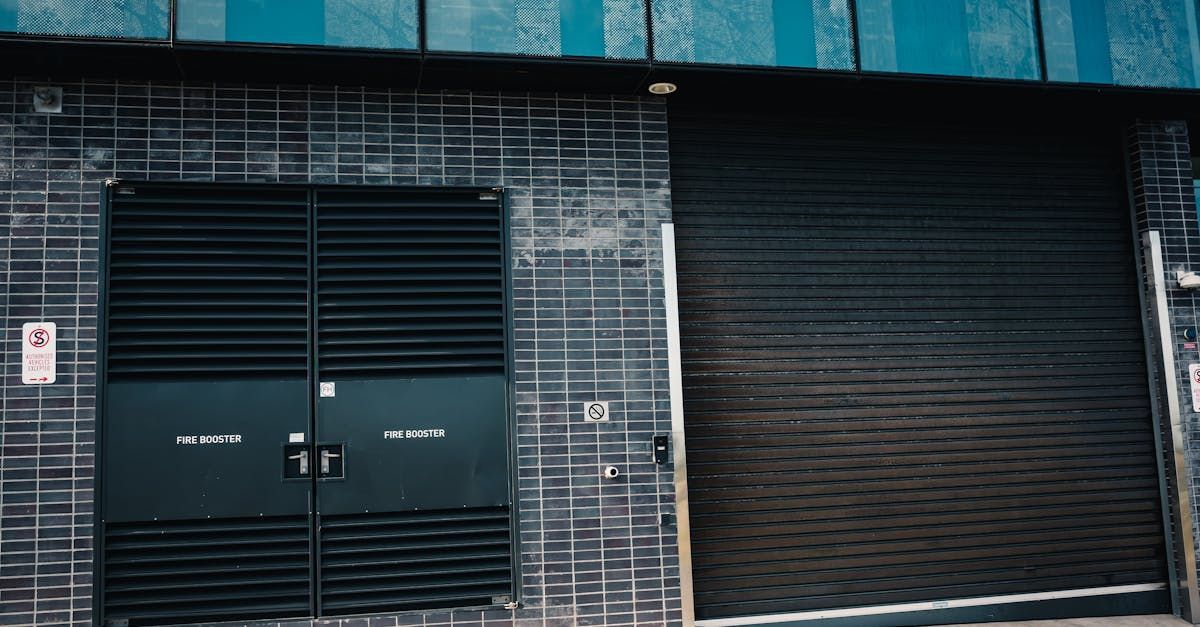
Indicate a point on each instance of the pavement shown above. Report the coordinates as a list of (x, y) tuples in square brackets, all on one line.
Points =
[(1118, 621)]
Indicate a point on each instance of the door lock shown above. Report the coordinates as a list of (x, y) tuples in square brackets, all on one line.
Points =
[(333, 462)]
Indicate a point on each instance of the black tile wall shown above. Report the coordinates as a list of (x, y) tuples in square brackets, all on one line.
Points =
[(1164, 201), (588, 183)]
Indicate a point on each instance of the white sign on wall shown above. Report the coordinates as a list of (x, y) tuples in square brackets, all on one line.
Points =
[(595, 411), (39, 363), (1194, 377)]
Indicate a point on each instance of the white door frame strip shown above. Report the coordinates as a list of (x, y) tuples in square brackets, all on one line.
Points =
[(675, 371)]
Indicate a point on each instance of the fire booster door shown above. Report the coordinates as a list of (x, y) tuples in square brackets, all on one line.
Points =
[(304, 403)]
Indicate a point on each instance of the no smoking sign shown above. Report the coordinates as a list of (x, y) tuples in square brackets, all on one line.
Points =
[(595, 411)]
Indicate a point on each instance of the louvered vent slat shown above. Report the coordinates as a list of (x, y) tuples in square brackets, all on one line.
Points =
[(208, 282), (416, 560), (199, 571), (409, 284)]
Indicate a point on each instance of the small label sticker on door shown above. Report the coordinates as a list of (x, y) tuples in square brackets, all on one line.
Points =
[(39, 359), (328, 389), (295, 438), (596, 411)]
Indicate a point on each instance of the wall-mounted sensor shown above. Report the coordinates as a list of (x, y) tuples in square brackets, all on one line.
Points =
[(1187, 280), (611, 472), (662, 449)]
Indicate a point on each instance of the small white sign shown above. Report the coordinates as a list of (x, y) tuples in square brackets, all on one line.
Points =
[(595, 411), (295, 438), (39, 361), (1194, 377), (328, 389)]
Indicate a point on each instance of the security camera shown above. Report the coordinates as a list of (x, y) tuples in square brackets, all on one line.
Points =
[(611, 472), (1187, 280), (47, 99)]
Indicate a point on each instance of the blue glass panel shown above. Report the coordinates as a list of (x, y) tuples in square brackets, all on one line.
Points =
[(981, 38), (1143, 43), (388, 24), (615, 29), (129, 19), (8, 16), (784, 33)]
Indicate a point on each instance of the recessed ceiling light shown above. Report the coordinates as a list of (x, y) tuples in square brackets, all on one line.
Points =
[(662, 89)]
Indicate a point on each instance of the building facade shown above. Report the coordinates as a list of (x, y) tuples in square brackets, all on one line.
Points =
[(410, 312)]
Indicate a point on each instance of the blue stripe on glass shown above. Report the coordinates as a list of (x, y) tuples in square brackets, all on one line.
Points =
[(8, 15), (582, 28), (1089, 25), (795, 39), (931, 37), (276, 21)]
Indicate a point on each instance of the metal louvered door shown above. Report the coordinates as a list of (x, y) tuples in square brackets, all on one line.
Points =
[(913, 372), (414, 506), (207, 375), (230, 492)]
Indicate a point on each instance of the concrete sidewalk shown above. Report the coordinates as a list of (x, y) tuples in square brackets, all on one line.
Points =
[(1119, 621)]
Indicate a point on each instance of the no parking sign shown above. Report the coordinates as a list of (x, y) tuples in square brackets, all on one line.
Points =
[(39, 364), (1194, 377)]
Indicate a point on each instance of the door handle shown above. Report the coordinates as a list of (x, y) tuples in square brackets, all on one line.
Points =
[(333, 461), (303, 457), (327, 455)]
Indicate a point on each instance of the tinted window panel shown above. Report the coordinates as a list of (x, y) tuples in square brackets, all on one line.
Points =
[(1143, 43), (784, 33), (389, 24), (980, 38), (131, 19), (615, 29)]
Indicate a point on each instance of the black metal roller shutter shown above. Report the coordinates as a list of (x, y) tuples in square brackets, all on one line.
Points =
[(913, 364)]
